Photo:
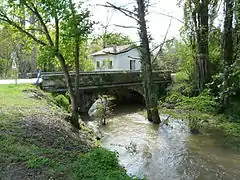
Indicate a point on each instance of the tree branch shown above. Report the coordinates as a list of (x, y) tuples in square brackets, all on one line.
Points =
[(12, 23), (35, 11), (35, 29), (164, 40), (168, 15), (123, 26), (57, 33), (126, 12)]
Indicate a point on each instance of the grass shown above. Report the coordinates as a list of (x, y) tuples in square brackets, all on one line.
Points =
[(36, 142)]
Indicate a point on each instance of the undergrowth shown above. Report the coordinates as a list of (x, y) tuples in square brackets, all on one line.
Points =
[(37, 143)]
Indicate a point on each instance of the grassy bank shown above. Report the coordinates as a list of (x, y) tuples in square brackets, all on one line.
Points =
[(37, 142)]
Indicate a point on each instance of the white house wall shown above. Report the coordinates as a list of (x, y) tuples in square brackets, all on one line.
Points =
[(119, 61), (123, 60)]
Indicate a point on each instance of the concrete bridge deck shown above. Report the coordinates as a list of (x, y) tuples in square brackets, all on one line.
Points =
[(55, 82)]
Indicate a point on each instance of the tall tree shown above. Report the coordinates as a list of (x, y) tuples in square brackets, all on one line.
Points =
[(228, 30), (197, 22), (150, 94), (149, 91), (228, 46), (49, 14)]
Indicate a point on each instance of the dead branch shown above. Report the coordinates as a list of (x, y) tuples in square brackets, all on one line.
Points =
[(123, 26), (168, 15), (164, 41), (126, 12)]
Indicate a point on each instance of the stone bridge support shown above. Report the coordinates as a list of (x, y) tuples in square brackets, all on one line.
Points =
[(135, 93)]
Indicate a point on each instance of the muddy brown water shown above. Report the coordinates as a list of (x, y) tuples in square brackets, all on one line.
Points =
[(168, 152)]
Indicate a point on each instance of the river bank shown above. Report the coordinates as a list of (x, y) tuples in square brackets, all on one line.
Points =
[(229, 132), (37, 141)]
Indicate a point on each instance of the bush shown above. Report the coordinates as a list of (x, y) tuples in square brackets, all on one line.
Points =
[(99, 164), (183, 84), (62, 101), (194, 124), (205, 102)]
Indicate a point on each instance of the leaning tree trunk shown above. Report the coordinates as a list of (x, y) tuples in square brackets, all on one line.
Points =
[(77, 71), (74, 107), (149, 90)]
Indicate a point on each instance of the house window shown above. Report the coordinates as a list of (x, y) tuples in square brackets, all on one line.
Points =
[(98, 64), (132, 64), (107, 64)]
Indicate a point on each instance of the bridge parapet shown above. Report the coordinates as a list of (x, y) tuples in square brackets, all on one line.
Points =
[(55, 82)]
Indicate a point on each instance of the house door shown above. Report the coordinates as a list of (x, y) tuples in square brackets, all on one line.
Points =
[(132, 65)]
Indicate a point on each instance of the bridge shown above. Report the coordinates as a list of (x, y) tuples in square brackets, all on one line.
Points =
[(121, 84)]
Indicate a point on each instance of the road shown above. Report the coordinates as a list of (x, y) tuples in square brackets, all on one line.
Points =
[(19, 81)]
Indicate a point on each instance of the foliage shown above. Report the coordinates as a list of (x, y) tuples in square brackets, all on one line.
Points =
[(103, 165), (11, 41), (194, 123), (227, 83), (62, 101), (204, 102), (110, 40), (183, 84)]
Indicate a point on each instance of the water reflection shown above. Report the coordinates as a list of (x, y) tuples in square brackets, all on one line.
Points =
[(168, 152)]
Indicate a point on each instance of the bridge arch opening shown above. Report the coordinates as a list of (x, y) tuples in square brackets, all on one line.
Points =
[(129, 97), (118, 98)]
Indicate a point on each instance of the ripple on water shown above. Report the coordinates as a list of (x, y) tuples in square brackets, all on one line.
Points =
[(168, 152)]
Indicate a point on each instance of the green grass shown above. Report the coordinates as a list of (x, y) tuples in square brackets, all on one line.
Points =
[(65, 157)]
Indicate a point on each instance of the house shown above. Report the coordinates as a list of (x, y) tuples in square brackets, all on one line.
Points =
[(117, 58)]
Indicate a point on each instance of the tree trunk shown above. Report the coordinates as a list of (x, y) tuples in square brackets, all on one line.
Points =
[(149, 90), (228, 40), (203, 64), (227, 46), (34, 50), (77, 70), (74, 107)]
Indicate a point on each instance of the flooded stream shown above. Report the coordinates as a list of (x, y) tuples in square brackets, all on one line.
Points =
[(168, 152)]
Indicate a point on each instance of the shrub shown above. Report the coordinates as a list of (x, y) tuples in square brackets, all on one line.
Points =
[(194, 124), (62, 101), (183, 84), (99, 164), (205, 102)]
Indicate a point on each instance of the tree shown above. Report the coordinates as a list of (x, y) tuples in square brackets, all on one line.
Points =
[(149, 91), (49, 15), (196, 14), (104, 108), (110, 39)]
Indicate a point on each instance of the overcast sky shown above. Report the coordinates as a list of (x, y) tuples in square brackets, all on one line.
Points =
[(157, 23)]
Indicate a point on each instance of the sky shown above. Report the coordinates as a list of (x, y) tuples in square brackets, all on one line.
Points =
[(157, 23)]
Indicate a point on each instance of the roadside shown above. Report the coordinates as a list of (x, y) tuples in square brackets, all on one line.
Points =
[(37, 142), (19, 81)]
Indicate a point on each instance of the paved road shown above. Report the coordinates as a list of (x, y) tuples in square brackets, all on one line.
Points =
[(19, 81)]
